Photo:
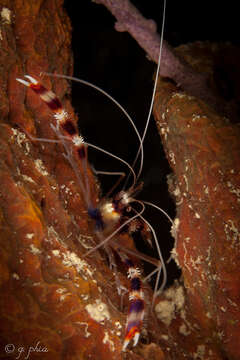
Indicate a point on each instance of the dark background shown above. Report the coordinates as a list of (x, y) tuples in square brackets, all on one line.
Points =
[(115, 62)]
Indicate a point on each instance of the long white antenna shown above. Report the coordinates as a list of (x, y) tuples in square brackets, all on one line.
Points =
[(140, 149), (114, 101)]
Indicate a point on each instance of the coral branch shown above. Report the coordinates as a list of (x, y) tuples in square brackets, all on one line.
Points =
[(173, 66)]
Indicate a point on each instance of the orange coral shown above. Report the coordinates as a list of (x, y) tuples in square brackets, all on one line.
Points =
[(203, 150)]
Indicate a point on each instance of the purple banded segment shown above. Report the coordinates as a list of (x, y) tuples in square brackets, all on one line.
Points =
[(136, 307)]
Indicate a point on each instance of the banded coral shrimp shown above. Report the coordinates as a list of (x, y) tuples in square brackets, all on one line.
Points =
[(133, 328), (114, 61)]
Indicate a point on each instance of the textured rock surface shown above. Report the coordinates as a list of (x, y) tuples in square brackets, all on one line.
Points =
[(51, 296), (203, 149)]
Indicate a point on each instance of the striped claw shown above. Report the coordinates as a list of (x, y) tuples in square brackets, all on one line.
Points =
[(63, 121), (136, 308), (132, 334), (32, 80), (23, 82), (26, 83), (134, 321), (46, 95)]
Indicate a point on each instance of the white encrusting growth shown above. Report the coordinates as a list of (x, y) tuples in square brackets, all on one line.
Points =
[(173, 303), (15, 276), (183, 329), (20, 138), (98, 311), (107, 340), (28, 178), (165, 311), (186, 181), (56, 253), (232, 233), (197, 216), (172, 157), (234, 190), (40, 167), (86, 325), (30, 235), (34, 250), (6, 16), (175, 227), (200, 353), (72, 259), (196, 117)]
